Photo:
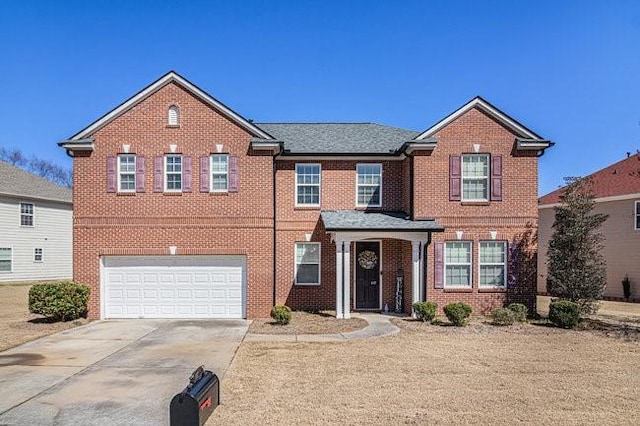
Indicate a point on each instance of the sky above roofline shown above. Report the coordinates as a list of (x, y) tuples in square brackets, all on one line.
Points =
[(567, 70)]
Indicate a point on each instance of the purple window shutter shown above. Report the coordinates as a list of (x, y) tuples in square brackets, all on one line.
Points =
[(234, 178), (187, 174), (112, 174), (204, 173), (158, 174), (439, 265), (455, 178), (496, 178), (139, 173)]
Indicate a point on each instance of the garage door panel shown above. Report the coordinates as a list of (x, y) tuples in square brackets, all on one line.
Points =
[(174, 287)]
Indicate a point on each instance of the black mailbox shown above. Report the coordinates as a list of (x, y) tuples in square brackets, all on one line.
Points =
[(196, 402)]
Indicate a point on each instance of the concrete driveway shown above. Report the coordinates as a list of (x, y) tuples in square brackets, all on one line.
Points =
[(111, 372)]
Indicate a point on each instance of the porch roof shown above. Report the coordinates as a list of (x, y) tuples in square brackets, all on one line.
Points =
[(387, 221)]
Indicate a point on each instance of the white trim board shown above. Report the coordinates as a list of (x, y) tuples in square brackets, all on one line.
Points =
[(480, 103), (597, 200), (170, 77)]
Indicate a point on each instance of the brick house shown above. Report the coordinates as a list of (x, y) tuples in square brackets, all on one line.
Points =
[(185, 209), (616, 189)]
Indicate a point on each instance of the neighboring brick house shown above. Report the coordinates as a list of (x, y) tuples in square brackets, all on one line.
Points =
[(185, 209), (617, 193), (35, 227)]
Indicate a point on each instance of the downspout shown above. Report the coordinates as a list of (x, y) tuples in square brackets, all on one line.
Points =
[(411, 214), (273, 166)]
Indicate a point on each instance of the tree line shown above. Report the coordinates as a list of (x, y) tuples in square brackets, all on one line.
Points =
[(38, 166)]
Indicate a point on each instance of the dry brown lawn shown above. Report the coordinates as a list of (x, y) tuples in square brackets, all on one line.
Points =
[(17, 325), (429, 374), (308, 323)]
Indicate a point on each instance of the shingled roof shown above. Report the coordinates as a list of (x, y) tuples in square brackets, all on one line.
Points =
[(20, 183), (621, 178), (338, 138)]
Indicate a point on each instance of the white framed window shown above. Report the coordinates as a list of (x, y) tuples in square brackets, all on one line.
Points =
[(6, 259), (369, 185), (307, 256), (173, 173), (457, 264), (219, 173), (493, 264), (637, 216), (173, 118), (126, 173), (308, 185), (475, 177), (26, 214), (38, 255)]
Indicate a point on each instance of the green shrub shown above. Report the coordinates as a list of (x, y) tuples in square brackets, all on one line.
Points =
[(564, 313), (519, 310), (425, 311), (62, 301), (458, 313), (504, 316), (281, 314)]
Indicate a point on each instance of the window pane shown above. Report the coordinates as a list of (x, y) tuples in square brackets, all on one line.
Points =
[(127, 182), (458, 275), (26, 208), (368, 195), (308, 274), (220, 163), (492, 252), (458, 252), (127, 163), (219, 182), (26, 220), (308, 195), (174, 163), (307, 253), (174, 181), (492, 275), (475, 165), (5, 259), (475, 189)]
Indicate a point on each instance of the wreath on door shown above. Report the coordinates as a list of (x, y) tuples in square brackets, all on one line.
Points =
[(367, 259)]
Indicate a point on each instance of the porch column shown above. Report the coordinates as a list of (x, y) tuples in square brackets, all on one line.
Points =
[(415, 276), (339, 279), (347, 279)]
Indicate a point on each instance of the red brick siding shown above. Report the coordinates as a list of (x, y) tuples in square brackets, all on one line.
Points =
[(197, 223)]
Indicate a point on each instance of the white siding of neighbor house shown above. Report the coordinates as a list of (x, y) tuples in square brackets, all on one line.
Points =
[(621, 247), (52, 231)]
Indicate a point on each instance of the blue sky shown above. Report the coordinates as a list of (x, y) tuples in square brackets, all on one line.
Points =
[(569, 70)]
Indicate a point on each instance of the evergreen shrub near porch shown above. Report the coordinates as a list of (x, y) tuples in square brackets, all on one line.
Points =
[(281, 314), (458, 313), (425, 311)]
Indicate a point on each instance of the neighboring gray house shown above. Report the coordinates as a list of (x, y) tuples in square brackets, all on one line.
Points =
[(36, 218)]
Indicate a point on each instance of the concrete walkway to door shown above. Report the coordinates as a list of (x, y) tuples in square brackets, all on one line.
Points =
[(378, 325), (111, 372)]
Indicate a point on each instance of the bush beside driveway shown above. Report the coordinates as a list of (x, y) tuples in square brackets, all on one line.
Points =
[(17, 325)]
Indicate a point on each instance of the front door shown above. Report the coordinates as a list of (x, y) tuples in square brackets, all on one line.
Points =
[(367, 264)]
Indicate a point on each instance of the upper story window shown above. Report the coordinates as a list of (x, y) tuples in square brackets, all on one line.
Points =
[(493, 264), (369, 185), (308, 185), (5, 259), (38, 255), (26, 214), (219, 173), (126, 173), (475, 177), (457, 264), (637, 215), (307, 263), (173, 173), (174, 115)]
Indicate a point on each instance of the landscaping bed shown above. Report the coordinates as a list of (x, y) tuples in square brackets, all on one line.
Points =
[(303, 322)]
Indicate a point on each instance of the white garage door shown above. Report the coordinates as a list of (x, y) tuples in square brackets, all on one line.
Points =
[(174, 287)]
